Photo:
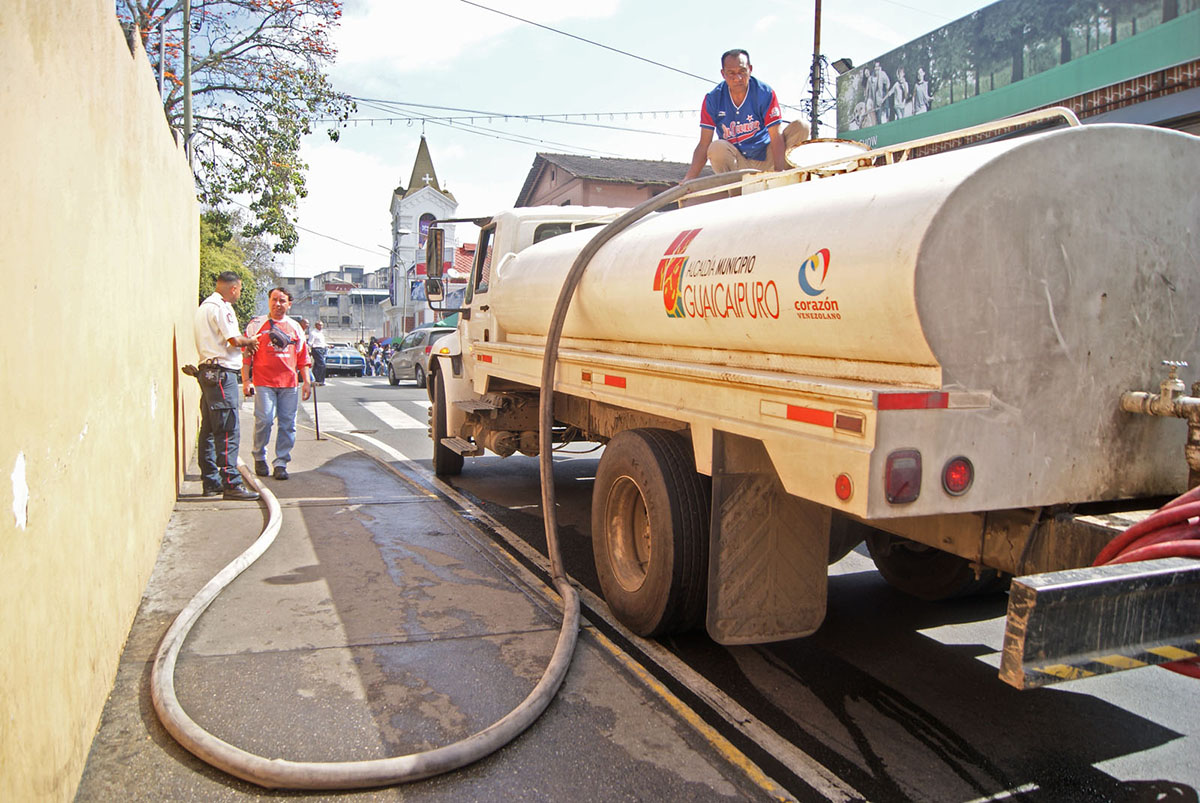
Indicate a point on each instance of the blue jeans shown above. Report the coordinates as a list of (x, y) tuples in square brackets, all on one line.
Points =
[(271, 404)]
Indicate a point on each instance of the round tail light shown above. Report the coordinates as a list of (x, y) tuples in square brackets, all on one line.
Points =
[(843, 487), (957, 476)]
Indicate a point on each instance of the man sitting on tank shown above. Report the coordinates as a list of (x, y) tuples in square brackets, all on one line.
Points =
[(745, 115)]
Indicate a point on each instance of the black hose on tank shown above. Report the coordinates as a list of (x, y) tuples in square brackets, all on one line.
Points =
[(284, 774)]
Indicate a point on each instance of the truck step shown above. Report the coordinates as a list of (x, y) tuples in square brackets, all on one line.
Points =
[(462, 446), (475, 405)]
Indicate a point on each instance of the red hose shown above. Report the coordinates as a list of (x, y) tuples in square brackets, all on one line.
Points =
[(1172, 531), (1167, 514)]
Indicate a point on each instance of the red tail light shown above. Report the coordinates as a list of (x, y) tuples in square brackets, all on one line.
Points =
[(428, 348), (957, 475), (902, 476)]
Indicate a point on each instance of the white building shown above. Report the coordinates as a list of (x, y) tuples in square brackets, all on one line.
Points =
[(413, 209)]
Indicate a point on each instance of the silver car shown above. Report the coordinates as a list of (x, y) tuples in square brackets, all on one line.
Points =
[(412, 356)]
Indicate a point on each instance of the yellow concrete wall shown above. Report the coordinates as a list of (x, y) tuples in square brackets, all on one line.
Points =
[(99, 269)]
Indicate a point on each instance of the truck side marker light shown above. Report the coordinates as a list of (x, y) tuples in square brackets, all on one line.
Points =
[(604, 379), (902, 476), (923, 400), (957, 475), (484, 357), (843, 487), (796, 412), (850, 422)]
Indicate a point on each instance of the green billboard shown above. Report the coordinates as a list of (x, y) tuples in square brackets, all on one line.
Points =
[(1009, 57)]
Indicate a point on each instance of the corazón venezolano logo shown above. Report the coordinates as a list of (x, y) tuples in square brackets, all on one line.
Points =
[(818, 305), (712, 287)]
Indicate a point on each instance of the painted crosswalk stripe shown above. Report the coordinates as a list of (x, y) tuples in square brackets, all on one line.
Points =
[(394, 418), (331, 419)]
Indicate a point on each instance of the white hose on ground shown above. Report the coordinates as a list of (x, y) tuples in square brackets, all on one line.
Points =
[(281, 773)]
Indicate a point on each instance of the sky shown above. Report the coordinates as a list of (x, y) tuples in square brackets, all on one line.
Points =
[(459, 54)]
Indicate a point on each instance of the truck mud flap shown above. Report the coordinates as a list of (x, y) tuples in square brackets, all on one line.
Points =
[(1082, 622), (768, 553)]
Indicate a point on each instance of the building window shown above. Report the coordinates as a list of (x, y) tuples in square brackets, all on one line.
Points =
[(423, 226)]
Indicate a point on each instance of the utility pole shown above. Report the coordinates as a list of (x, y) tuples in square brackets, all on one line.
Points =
[(816, 74), (162, 58), (187, 81)]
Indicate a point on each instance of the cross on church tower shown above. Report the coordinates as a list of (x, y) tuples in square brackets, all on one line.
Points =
[(427, 178)]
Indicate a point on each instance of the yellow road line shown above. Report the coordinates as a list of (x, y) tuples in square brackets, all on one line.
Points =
[(684, 711)]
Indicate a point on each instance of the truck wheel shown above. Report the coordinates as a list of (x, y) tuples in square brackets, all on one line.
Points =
[(927, 573), (393, 380), (650, 515), (446, 462), (419, 376)]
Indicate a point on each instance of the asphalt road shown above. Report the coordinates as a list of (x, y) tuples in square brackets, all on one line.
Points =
[(896, 697)]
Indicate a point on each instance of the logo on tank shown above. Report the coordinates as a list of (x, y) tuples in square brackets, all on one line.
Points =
[(668, 277), (712, 287), (811, 278)]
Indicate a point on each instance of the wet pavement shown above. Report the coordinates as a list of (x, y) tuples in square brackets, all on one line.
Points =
[(382, 622)]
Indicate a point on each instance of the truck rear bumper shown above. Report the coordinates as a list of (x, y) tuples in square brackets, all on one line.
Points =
[(1077, 623)]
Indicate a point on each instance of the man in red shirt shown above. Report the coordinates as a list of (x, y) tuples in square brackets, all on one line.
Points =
[(282, 352)]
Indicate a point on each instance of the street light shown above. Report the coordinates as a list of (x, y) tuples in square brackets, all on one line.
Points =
[(398, 265)]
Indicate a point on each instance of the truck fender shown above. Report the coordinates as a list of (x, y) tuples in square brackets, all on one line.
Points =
[(457, 384)]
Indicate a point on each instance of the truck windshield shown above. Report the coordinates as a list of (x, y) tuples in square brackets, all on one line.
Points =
[(482, 270)]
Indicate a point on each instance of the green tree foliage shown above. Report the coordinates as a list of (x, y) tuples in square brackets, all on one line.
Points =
[(220, 251), (258, 86)]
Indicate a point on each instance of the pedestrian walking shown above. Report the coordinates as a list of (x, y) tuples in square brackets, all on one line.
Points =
[(282, 356)]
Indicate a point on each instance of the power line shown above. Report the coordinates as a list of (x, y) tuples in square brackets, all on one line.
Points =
[(588, 41), (604, 46), (563, 118), (377, 250), (493, 134), (919, 10)]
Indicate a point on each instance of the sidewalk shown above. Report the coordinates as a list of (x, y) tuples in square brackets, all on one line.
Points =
[(379, 623)]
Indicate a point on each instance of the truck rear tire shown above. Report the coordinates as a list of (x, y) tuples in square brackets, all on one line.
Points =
[(927, 573), (446, 462), (650, 519)]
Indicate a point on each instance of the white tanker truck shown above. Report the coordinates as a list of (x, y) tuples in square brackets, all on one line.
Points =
[(930, 355)]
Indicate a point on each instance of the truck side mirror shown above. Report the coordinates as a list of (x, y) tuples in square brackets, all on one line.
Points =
[(434, 292), (435, 249)]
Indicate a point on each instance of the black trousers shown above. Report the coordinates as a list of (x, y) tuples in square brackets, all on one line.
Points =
[(220, 398)]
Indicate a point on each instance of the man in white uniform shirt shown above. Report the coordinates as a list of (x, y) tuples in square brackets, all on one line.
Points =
[(219, 344), (317, 345)]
